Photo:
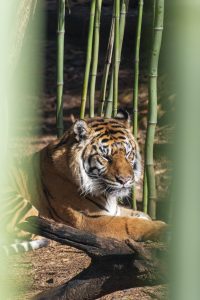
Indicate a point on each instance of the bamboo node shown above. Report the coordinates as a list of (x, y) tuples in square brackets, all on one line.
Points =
[(158, 28), (93, 74), (152, 123), (153, 199), (60, 31), (153, 75), (60, 83)]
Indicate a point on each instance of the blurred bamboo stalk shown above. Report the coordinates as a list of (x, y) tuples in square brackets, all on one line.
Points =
[(25, 11), (60, 65), (136, 81), (88, 59), (152, 111), (93, 73), (109, 103)]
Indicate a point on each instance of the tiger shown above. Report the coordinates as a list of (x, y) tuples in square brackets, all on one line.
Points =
[(77, 180)]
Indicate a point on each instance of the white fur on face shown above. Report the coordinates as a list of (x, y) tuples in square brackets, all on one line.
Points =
[(91, 182), (137, 169), (94, 187), (87, 185)]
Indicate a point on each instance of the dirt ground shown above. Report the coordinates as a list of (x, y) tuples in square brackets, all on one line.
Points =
[(45, 268), (40, 270)]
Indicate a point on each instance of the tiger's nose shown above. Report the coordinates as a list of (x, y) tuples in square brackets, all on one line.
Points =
[(123, 179)]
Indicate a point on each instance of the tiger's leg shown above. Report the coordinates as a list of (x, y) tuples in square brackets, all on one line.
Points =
[(118, 227), (14, 210), (127, 212)]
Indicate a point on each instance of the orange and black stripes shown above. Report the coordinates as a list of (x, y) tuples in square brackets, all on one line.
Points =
[(109, 136)]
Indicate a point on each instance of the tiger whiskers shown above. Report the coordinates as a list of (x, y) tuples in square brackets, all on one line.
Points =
[(91, 189)]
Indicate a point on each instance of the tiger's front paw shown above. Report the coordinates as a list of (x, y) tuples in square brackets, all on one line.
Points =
[(143, 230), (140, 214), (158, 232)]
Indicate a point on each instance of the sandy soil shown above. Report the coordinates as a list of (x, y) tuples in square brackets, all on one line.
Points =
[(45, 268)]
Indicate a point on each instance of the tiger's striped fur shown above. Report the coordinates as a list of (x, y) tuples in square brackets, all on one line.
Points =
[(19, 246), (77, 179)]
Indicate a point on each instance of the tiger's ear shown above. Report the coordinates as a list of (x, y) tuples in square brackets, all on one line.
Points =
[(81, 130), (123, 116)]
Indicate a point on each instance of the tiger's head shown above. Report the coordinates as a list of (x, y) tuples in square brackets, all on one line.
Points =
[(103, 155)]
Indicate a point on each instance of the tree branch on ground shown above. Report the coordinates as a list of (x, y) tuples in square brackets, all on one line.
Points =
[(115, 265)]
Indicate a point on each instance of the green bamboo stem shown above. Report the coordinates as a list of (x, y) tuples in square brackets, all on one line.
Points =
[(93, 73), (109, 101), (136, 72), (107, 65), (136, 81), (88, 59), (122, 23), (60, 66), (152, 112), (116, 58), (145, 194), (151, 4)]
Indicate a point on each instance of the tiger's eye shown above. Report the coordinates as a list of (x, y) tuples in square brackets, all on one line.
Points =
[(108, 158)]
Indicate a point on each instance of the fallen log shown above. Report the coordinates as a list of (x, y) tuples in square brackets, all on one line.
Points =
[(115, 265)]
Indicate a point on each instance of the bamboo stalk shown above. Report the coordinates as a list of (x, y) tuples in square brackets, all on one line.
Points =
[(136, 73), (109, 101), (25, 11), (136, 81), (88, 59), (145, 194), (60, 66), (145, 186), (116, 58), (122, 23), (95, 56), (152, 112), (107, 65)]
